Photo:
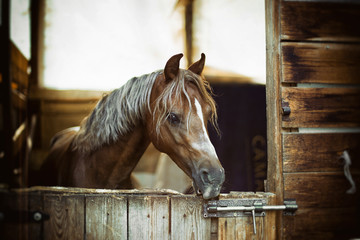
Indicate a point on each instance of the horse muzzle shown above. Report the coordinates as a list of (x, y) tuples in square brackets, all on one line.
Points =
[(208, 181)]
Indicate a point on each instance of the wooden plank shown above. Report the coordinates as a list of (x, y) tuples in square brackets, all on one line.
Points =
[(242, 227), (148, 217), (322, 223), (187, 221), (274, 182), (19, 67), (320, 21), (106, 217), (66, 216), (35, 204), (320, 152), (324, 190), (320, 63), (322, 107)]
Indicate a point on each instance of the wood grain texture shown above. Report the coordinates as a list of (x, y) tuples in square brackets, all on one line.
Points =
[(274, 182), (242, 227), (322, 190), (148, 217), (320, 21), (320, 63), (66, 216), (322, 107), (322, 223), (187, 221), (106, 217), (320, 152)]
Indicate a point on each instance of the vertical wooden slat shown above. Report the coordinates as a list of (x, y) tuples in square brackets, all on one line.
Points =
[(187, 221), (35, 204), (274, 182), (106, 217), (148, 217), (66, 216)]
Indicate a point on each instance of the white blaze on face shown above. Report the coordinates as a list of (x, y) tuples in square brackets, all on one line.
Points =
[(204, 143)]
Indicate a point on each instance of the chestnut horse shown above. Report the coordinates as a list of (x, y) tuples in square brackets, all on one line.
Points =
[(169, 108)]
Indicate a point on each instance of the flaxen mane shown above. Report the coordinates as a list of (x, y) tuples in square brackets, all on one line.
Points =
[(107, 123)]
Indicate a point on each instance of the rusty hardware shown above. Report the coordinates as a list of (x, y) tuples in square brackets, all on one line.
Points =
[(15, 216), (285, 108), (246, 207)]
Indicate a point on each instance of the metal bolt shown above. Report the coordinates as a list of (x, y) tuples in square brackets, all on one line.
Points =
[(37, 216)]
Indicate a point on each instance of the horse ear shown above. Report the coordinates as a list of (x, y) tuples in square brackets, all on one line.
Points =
[(172, 67), (198, 66)]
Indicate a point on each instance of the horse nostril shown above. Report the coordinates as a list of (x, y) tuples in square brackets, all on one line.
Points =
[(205, 176)]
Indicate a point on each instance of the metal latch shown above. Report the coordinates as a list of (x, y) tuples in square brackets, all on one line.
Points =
[(245, 207)]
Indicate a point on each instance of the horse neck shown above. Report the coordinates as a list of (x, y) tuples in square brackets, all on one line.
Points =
[(116, 161)]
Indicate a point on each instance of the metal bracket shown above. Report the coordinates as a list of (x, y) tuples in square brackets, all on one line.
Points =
[(245, 207)]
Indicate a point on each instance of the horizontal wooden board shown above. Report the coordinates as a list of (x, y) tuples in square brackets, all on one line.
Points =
[(322, 107), (320, 63), (321, 190), (322, 223), (310, 152), (320, 21)]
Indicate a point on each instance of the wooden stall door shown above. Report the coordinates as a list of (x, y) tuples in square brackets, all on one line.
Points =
[(73, 213), (313, 99)]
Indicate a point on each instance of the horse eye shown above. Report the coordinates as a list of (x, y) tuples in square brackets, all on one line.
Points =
[(173, 118)]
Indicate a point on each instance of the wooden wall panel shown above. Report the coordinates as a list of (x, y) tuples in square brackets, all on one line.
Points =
[(320, 21), (187, 221), (148, 217), (66, 216), (322, 223), (322, 107), (320, 63), (105, 217), (321, 190), (320, 151)]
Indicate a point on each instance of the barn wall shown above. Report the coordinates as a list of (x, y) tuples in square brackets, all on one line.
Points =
[(315, 53)]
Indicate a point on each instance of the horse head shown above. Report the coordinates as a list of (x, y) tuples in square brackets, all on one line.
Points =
[(180, 109)]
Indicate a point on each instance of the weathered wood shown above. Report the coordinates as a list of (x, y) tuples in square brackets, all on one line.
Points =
[(324, 190), (320, 21), (35, 204), (187, 221), (106, 217), (242, 227), (321, 152), (66, 216), (274, 182), (148, 217), (322, 107), (320, 63), (322, 223)]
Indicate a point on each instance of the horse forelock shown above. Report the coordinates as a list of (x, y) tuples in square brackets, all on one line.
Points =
[(115, 114), (174, 94)]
